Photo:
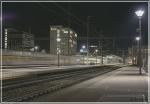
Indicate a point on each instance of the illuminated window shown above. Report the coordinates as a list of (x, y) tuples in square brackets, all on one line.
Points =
[(52, 28), (74, 42), (70, 40), (58, 35), (71, 32), (65, 31), (5, 31), (75, 35), (58, 31)]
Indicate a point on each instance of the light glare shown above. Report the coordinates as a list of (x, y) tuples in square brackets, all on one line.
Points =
[(83, 46), (137, 38), (139, 13), (96, 50), (81, 50), (58, 39)]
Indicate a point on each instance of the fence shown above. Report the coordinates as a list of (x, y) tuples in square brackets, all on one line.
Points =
[(11, 57)]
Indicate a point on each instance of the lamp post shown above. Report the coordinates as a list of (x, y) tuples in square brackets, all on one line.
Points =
[(58, 50), (82, 50), (88, 29), (138, 47), (139, 14), (36, 48), (96, 54)]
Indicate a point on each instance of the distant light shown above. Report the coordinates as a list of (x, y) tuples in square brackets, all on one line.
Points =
[(71, 32), (58, 50), (93, 46), (96, 50), (58, 39), (137, 38), (32, 49), (36, 47), (110, 56), (65, 31), (6, 38), (75, 35), (83, 46), (53, 28), (139, 13), (81, 50)]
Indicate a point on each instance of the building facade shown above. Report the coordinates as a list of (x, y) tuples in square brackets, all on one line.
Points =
[(63, 40), (14, 39)]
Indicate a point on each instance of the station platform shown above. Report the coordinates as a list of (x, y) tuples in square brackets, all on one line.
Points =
[(122, 85), (10, 72)]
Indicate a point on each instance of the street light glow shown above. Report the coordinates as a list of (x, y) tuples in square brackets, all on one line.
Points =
[(36, 47), (83, 46), (96, 50), (137, 38), (93, 46), (58, 39), (139, 13), (81, 50)]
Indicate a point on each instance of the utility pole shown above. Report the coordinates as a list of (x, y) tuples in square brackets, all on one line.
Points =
[(133, 61), (101, 50), (68, 30), (123, 56), (101, 47), (88, 17), (140, 42), (140, 13)]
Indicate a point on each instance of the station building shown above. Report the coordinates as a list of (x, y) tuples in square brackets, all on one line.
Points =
[(14, 39), (63, 40)]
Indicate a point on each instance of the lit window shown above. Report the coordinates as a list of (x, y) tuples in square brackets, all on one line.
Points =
[(65, 31), (58, 31), (58, 39), (74, 42), (71, 32), (52, 28), (5, 29), (70, 40), (5, 44), (58, 35), (5, 32), (75, 35), (71, 45)]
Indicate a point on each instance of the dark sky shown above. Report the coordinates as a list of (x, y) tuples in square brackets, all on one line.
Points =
[(109, 18)]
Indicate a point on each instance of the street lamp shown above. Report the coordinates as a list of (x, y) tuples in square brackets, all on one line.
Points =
[(139, 14), (58, 39), (36, 48), (137, 38), (83, 46), (96, 50), (82, 50), (58, 50)]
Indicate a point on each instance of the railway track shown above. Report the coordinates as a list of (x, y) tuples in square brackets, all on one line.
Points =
[(26, 90)]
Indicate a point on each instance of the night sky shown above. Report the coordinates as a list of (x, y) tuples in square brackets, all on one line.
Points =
[(111, 19)]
